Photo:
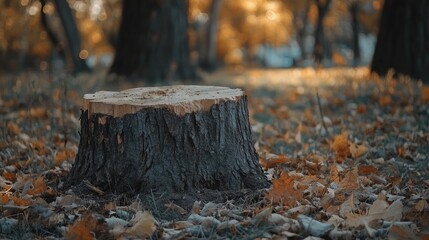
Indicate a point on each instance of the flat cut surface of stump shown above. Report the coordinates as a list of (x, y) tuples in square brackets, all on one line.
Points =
[(167, 139), (179, 99)]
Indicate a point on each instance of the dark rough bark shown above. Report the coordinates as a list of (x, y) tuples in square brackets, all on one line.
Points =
[(58, 46), (152, 42), (354, 8), (72, 35), (210, 63), (403, 39), (155, 150), (321, 49)]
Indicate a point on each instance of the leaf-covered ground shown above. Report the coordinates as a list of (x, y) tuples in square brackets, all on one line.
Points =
[(347, 153)]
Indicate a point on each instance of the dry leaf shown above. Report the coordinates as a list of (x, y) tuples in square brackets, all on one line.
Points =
[(314, 227), (144, 225), (13, 128), (341, 146), (273, 162), (81, 229), (283, 191), (350, 180), (421, 205), (385, 100), (39, 186), (38, 112), (348, 206), (401, 233), (357, 150), (364, 170), (425, 94), (61, 156), (175, 208)]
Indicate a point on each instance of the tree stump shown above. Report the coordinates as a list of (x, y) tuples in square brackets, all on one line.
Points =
[(175, 139)]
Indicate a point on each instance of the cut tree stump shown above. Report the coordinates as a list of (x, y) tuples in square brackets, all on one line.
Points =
[(176, 139)]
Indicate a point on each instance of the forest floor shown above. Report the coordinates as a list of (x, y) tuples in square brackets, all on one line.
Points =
[(347, 153)]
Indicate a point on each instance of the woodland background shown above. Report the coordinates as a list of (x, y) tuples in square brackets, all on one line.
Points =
[(338, 102)]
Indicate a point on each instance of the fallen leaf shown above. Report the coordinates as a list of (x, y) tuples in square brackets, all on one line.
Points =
[(401, 233), (283, 191), (314, 227), (357, 150), (61, 156), (341, 147), (425, 94), (39, 186), (385, 100), (350, 180), (421, 205), (13, 128), (349, 206), (81, 229), (144, 225), (364, 170), (38, 112)]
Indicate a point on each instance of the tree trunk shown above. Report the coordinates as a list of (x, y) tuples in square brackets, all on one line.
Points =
[(152, 42), (353, 9), (72, 34), (320, 45), (167, 139), (403, 39), (210, 62)]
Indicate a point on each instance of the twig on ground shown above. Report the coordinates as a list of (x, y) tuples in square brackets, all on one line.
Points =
[(321, 114)]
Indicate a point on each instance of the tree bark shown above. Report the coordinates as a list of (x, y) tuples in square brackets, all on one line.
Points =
[(403, 39), (210, 62), (159, 139), (320, 44), (353, 9), (72, 35), (153, 42)]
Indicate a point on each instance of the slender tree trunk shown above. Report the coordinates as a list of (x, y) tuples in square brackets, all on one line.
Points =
[(210, 62), (320, 45), (403, 39), (58, 46), (354, 8), (153, 41), (72, 35), (301, 21)]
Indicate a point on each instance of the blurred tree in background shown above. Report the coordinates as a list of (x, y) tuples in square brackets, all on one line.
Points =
[(152, 41), (403, 39)]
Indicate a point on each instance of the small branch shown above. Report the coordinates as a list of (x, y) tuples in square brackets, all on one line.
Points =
[(321, 114)]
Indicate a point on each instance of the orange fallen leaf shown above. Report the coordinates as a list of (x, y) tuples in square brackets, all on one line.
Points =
[(9, 176), (39, 147), (366, 170), (81, 229), (4, 198), (61, 156), (144, 225), (39, 186), (13, 128), (341, 146), (425, 94), (385, 100), (283, 191), (21, 201), (361, 109), (38, 112), (270, 163)]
